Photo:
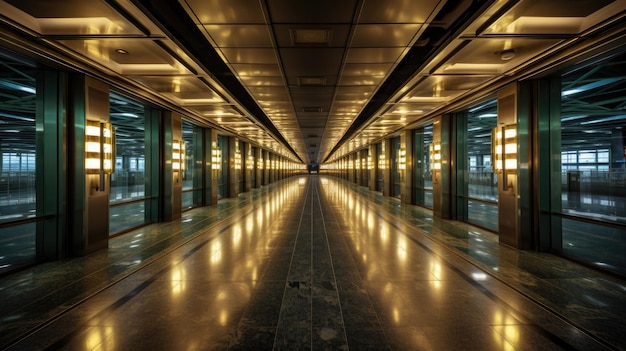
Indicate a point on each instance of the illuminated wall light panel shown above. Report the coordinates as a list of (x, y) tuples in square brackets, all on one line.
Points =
[(216, 156), (504, 148), (435, 156), (99, 147)]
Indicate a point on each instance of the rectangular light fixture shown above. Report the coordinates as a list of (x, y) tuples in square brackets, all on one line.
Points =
[(99, 147), (216, 156), (504, 148), (435, 156)]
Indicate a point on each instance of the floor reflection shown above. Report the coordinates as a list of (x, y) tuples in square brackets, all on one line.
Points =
[(311, 263)]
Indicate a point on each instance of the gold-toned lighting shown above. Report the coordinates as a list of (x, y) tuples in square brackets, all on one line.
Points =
[(250, 163), (504, 148), (179, 154), (237, 160), (99, 147), (402, 159), (216, 156), (435, 156)]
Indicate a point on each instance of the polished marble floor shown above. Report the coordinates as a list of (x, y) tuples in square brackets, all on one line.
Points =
[(311, 262)]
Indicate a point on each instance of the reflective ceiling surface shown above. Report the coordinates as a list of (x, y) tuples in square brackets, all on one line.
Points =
[(311, 80)]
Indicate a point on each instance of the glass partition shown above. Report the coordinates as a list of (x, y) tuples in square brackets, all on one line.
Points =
[(423, 181), (395, 165), (18, 148), (482, 183), (222, 178), (189, 137), (127, 196), (593, 163)]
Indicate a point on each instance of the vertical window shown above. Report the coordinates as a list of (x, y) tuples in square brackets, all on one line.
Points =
[(222, 178), (188, 131), (593, 164), (482, 187), (423, 181), (395, 165), (18, 145), (380, 172), (127, 196)]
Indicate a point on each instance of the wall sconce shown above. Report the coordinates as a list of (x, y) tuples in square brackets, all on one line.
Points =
[(237, 160), (402, 159), (435, 156), (260, 163), (99, 149), (381, 161), (504, 151), (179, 154), (370, 165), (250, 162), (505, 158), (216, 157)]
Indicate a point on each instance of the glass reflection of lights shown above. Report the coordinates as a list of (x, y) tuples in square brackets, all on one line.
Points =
[(102, 338), (178, 280), (396, 315), (249, 225), (216, 252), (436, 273), (480, 276), (402, 247), (236, 235), (223, 318), (259, 217), (509, 335), (384, 236), (302, 181)]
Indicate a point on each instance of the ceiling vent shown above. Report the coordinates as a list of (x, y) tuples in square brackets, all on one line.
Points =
[(312, 109), (312, 81), (311, 37)]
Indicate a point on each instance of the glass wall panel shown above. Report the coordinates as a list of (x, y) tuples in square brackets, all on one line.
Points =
[(127, 196), (18, 204), (380, 173), (252, 165), (593, 156), (239, 168), (482, 183), (395, 165), (222, 178), (423, 181), (189, 138)]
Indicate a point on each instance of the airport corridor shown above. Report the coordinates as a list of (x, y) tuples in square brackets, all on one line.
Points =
[(307, 263)]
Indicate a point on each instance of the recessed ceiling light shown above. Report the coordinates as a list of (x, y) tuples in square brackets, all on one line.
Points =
[(121, 51), (507, 54)]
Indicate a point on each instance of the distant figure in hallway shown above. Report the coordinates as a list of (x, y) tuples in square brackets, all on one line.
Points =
[(314, 167)]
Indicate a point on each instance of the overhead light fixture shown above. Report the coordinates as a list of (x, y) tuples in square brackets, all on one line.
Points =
[(121, 51), (507, 55)]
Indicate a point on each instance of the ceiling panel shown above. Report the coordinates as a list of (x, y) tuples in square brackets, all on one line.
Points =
[(71, 17), (397, 11), (236, 36), (309, 74), (224, 12), (384, 35)]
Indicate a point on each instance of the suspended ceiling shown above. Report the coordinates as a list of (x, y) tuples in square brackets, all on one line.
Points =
[(311, 80)]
